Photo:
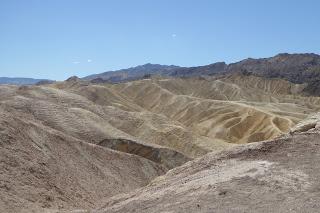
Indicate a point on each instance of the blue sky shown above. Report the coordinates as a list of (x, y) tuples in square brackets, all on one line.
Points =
[(59, 38)]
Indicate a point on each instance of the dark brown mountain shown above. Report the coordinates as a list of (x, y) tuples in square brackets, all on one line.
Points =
[(296, 68), (210, 69), (133, 73)]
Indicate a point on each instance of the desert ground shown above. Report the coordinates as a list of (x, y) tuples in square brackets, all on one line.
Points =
[(280, 175), (151, 145)]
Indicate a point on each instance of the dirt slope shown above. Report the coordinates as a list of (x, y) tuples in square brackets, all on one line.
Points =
[(57, 139), (45, 168), (48, 155), (228, 110), (274, 176), (191, 116)]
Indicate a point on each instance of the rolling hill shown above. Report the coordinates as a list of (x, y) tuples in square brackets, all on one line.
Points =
[(164, 143)]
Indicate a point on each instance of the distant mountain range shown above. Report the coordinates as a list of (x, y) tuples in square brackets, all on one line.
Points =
[(296, 68), (133, 72), (22, 81), (146, 70)]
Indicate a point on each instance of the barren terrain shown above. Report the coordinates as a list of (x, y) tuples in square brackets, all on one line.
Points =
[(272, 176), (74, 144)]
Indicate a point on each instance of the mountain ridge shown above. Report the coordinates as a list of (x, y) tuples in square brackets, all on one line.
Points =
[(132, 72), (21, 80), (297, 68)]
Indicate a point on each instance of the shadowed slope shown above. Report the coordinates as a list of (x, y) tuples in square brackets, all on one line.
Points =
[(164, 156)]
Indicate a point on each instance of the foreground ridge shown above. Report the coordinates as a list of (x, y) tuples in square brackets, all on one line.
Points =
[(280, 175)]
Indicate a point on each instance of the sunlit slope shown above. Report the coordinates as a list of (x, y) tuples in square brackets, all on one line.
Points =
[(192, 116), (221, 109), (136, 122), (61, 108)]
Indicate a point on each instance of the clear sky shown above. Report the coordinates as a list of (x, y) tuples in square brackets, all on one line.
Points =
[(59, 38)]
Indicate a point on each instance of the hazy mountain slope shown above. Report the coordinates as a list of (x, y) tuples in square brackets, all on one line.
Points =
[(133, 73), (274, 176), (21, 81)]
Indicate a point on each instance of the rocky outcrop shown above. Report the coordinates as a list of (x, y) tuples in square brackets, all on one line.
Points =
[(313, 87), (310, 124)]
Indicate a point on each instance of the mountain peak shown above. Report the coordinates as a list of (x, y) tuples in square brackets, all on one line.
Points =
[(73, 79)]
